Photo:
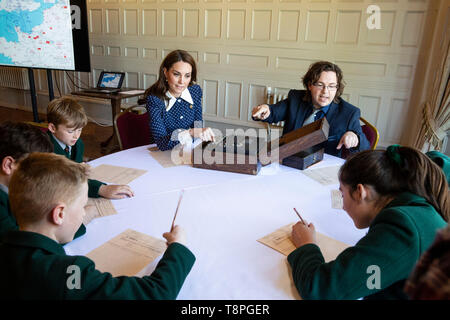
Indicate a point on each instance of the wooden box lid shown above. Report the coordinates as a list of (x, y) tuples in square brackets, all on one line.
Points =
[(298, 140)]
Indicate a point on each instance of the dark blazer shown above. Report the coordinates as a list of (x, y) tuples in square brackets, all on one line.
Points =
[(7, 220), (181, 116), (77, 156), (341, 116), (33, 266)]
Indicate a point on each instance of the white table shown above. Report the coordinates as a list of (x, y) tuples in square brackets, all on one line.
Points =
[(223, 214)]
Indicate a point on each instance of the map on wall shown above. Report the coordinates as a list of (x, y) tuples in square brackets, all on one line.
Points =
[(36, 34)]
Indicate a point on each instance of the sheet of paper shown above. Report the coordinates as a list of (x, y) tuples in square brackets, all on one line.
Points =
[(133, 92), (325, 176), (164, 158), (127, 253), (281, 241), (336, 199), (115, 174), (98, 207)]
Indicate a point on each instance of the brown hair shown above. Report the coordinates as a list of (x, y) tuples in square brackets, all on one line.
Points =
[(19, 139), (160, 87), (66, 111), (313, 75), (409, 171), (40, 182)]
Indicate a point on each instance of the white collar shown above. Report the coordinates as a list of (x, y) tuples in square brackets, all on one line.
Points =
[(62, 144), (4, 188), (185, 95)]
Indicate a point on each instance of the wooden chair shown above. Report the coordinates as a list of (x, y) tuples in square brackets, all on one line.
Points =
[(132, 129)]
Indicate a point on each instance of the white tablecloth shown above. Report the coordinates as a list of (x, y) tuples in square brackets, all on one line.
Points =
[(223, 214)]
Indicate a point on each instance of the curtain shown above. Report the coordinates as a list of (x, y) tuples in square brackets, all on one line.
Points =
[(436, 110)]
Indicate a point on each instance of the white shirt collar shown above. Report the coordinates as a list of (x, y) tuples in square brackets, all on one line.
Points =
[(185, 95), (62, 144), (4, 188)]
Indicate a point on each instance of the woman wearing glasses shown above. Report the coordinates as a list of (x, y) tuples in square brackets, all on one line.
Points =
[(324, 86)]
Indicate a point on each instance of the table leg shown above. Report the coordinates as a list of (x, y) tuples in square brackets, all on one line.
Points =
[(112, 141)]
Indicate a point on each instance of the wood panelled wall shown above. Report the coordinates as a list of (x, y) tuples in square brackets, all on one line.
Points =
[(243, 46)]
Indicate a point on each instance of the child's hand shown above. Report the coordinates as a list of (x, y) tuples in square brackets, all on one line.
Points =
[(176, 235), (114, 191), (303, 234)]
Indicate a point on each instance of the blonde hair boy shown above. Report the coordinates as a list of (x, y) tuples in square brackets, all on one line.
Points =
[(66, 111), (66, 120), (33, 264)]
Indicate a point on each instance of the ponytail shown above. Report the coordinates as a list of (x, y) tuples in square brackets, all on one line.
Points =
[(396, 170)]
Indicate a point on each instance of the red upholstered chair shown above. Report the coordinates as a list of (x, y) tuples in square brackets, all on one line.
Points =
[(43, 126), (371, 133), (132, 129)]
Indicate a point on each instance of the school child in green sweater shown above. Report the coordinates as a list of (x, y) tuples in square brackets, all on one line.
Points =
[(403, 198), (48, 194), (17, 141), (66, 119)]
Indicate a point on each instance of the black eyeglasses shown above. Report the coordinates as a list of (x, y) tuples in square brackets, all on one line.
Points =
[(321, 86)]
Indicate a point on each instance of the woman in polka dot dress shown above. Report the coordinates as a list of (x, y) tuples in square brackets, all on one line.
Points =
[(174, 103)]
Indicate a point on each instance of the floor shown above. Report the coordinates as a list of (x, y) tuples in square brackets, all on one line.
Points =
[(92, 134)]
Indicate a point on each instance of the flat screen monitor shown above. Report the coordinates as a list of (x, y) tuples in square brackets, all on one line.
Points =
[(44, 34)]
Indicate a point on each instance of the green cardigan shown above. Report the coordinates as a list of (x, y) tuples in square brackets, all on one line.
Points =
[(33, 266), (397, 237), (77, 156), (442, 161), (8, 221)]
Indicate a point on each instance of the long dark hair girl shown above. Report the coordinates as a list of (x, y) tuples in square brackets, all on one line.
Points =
[(396, 170), (160, 87)]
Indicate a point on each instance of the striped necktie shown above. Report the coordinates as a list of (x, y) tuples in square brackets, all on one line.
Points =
[(67, 150)]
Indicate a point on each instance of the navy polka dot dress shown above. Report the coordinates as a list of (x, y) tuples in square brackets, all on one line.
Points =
[(180, 117)]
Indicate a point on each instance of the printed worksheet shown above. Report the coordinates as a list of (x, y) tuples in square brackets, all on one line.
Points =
[(115, 174), (127, 254), (336, 199), (281, 241), (325, 176), (98, 207)]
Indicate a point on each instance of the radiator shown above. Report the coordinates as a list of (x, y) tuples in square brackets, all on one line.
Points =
[(16, 78), (274, 98)]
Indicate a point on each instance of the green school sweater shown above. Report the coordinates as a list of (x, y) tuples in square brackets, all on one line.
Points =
[(397, 237), (8, 221), (33, 266), (442, 161), (77, 156)]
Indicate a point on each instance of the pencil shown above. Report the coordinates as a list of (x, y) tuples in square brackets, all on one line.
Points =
[(176, 211), (303, 221)]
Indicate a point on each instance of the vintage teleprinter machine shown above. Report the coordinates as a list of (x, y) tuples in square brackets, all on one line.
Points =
[(246, 154)]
